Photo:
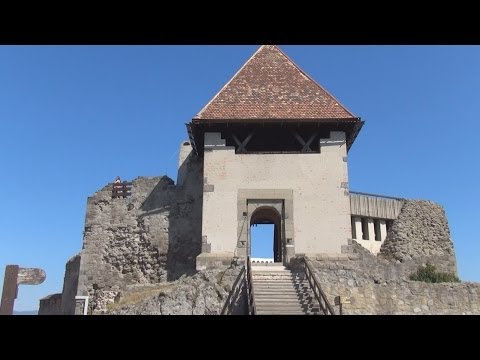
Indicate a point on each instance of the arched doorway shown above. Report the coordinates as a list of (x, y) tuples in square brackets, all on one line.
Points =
[(267, 215)]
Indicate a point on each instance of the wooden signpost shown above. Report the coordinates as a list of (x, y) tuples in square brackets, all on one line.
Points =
[(14, 276)]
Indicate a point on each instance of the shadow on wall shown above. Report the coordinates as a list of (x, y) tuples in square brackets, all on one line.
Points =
[(184, 208)]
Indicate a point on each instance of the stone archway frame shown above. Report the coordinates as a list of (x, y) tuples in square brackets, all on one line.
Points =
[(274, 206), (249, 200)]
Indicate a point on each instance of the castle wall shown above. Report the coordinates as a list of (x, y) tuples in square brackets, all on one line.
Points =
[(125, 240), (421, 232), (321, 205), (70, 285), (150, 237), (185, 229), (51, 305), (413, 297), (376, 287)]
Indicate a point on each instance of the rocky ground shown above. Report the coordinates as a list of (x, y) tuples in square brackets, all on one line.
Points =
[(205, 293)]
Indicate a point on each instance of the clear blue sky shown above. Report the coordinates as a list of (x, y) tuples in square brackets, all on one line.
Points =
[(66, 110)]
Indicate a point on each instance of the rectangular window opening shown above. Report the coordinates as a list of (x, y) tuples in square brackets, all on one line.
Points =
[(365, 229)]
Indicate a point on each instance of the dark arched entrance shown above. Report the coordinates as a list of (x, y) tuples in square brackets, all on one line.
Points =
[(269, 215)]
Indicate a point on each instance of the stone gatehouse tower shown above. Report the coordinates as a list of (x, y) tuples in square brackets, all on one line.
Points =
[(274, 145)]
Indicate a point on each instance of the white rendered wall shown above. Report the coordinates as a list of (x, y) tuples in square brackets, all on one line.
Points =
[(371, 245), (183, 153), (321, 205)]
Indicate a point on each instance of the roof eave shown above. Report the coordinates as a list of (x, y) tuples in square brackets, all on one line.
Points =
[(272, 120)]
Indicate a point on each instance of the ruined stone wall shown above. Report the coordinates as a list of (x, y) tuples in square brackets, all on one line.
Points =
[(124, 244), (413, 297), (376, 293), (70, 285), (377, 285), (421, 233), (150, 237), (51, 305)]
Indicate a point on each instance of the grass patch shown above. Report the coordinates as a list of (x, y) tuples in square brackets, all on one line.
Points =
[(429, 274)]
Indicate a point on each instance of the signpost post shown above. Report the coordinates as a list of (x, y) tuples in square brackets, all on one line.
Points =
[(14, 276)]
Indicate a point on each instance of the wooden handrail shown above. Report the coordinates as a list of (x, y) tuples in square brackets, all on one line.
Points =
[(317, 289), (250, 293)]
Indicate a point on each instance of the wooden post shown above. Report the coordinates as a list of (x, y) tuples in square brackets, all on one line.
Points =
[(10, 287), (15, 275)]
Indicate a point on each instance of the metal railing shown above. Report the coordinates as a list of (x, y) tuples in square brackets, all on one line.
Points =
[(325, 306), (235, 292), (250, 293), (121, 190)]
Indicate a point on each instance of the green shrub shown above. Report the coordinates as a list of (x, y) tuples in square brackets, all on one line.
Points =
[(429, 274)]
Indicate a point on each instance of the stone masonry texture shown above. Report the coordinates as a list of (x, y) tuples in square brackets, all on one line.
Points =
[(383, 290), (139, 258), (421, 232), (150, 237), (51, 305), (380, 284), (70, 285)]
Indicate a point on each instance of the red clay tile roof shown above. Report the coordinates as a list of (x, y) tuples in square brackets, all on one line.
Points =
[(271, 86)]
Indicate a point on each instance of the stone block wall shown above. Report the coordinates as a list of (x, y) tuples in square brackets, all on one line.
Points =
[(70, 285), (413, 297), (149, 237), (380, 286), (421, 233), (51, 305), (382, 290), (185, 221)]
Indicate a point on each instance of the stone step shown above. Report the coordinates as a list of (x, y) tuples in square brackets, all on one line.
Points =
[(282, 292), (276, 312), (272, 304), (277, 300), (268, 268), (261, 281), (276, 294), (273, 281), (282, 287), (264, 295), (279, 292), (279, 308), (279, 289), (272, 273)]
